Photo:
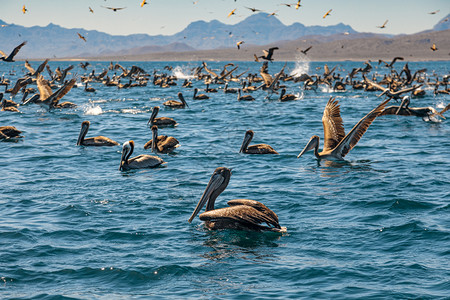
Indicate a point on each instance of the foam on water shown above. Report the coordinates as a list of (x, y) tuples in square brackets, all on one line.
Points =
[(182, 72), (301, 66), (92, 110)]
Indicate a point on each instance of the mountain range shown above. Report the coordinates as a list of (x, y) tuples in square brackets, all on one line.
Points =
[(54, 41)]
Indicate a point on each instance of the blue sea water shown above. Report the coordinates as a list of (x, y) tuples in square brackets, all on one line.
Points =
[(72, 226)]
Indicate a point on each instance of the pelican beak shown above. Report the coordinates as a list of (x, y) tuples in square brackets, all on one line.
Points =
[(152, 117), (310, 146), (402, 105), (245, 142), (124, 155), (82, 134), (214, 183)]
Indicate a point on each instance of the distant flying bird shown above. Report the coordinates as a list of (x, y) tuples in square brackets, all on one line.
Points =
[(327, 14), (434, 12), (287, 4), (238, 44), (252, 9), (434, 48), (114, 8), (445, 20), (81, 37), (10, 58), (24, 10), (231, 13), (306, 50), (298, 4), (91, 10), (272, 14), (384, 24), (143, 3), (268, 54)]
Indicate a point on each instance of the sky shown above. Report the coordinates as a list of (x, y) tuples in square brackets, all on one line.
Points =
[(168, 17)]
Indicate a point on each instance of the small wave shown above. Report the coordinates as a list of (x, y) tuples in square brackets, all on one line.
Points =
[(92, 110), (132, 111)]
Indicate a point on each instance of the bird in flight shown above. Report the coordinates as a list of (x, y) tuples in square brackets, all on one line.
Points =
[(272, 14), (238, 44), (384, 24), (231, 13), (91, 10), (327, 14), (114, 8), (268, 54), (434, 12), (253, 9), (306, 50), (10, 58), (143, 3), (81, 37), (24, 9), (298, 4), (433, 48)]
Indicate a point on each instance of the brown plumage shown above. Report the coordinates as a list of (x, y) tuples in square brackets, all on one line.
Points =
[(176, 104), (161, 143), (9, 132), (244, 97), (10, 57), (138, 162), (336, 143), (255, 149), (162, 121), (50, 99), (93, 141), (404, 110), (243, 214), (200, 96), (286, 97)]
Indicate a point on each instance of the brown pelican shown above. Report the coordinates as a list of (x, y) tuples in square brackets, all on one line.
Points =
[(10, 57), (113, 8), (139, 162), (93, 141), (226, 90), (88, 89), (244, 97), (327, 14), (199, 97), (384, 25), (162, 121), (243, 214), (81, 37), (336, 143), (287, 97), (162, 143), (306, 50), (231, 13), (8, 132), (49, 99), (268, 54), (434, 48), (177, 104), (5, 107), (238, 44), (405, 110), (255, 149)]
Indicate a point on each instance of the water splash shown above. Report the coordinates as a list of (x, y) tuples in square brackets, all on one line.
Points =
[(301, 65), (92, 110), (182, 72)]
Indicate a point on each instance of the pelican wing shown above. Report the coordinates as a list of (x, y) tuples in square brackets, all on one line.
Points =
[(445, 109), (169, 142), (2, 53), (144, 161), (41, 66), (267, 78), (29, 67), (256, 205), (247, 216), (209, 71), (333, 127), (16, 50), (63, 91), (44, 88), (352, 138)]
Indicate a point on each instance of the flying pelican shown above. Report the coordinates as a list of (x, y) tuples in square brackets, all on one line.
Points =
[(433, 48), (238, 44), (255, 149), (81, 37), (49, 99), (336, 143), (162, 143), (298, 4), (253, 9), (287, 97), (139, 162), (404, 110), (24, 9), (231, 13), (268, 54), (8, 132), (243, 214), (384, 25), (10, 58), (199, 97), (91, 10), (434, 12), (327, 14), (177, 104), (306, 50), (114, 8), (143, 3), (93, 141), (162, 121)]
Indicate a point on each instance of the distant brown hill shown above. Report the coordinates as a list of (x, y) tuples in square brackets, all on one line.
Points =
[(337, 47)]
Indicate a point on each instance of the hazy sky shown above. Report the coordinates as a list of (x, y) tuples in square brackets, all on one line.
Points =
[(171, 16)]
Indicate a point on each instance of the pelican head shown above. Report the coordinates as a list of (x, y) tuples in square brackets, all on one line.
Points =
[(217, 184), (155, 111), (283, 91), (404, 104), (84, 130), (247, 139), (312, 144), (181, 97), (154, 138), (127, 150)]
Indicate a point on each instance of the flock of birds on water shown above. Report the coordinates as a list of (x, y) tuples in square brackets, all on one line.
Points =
[(242, 214)]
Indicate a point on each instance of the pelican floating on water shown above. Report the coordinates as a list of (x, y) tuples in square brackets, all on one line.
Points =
[(8, 132), (162, 121), (162, 143), (199, 97), (405, 110), (336, 143), (139, 162), (255, 149), (177, 104), (93, 141), (243, 214), (287, 97)]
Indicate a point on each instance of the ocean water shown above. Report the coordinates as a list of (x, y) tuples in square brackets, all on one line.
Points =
[(72, 226)]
